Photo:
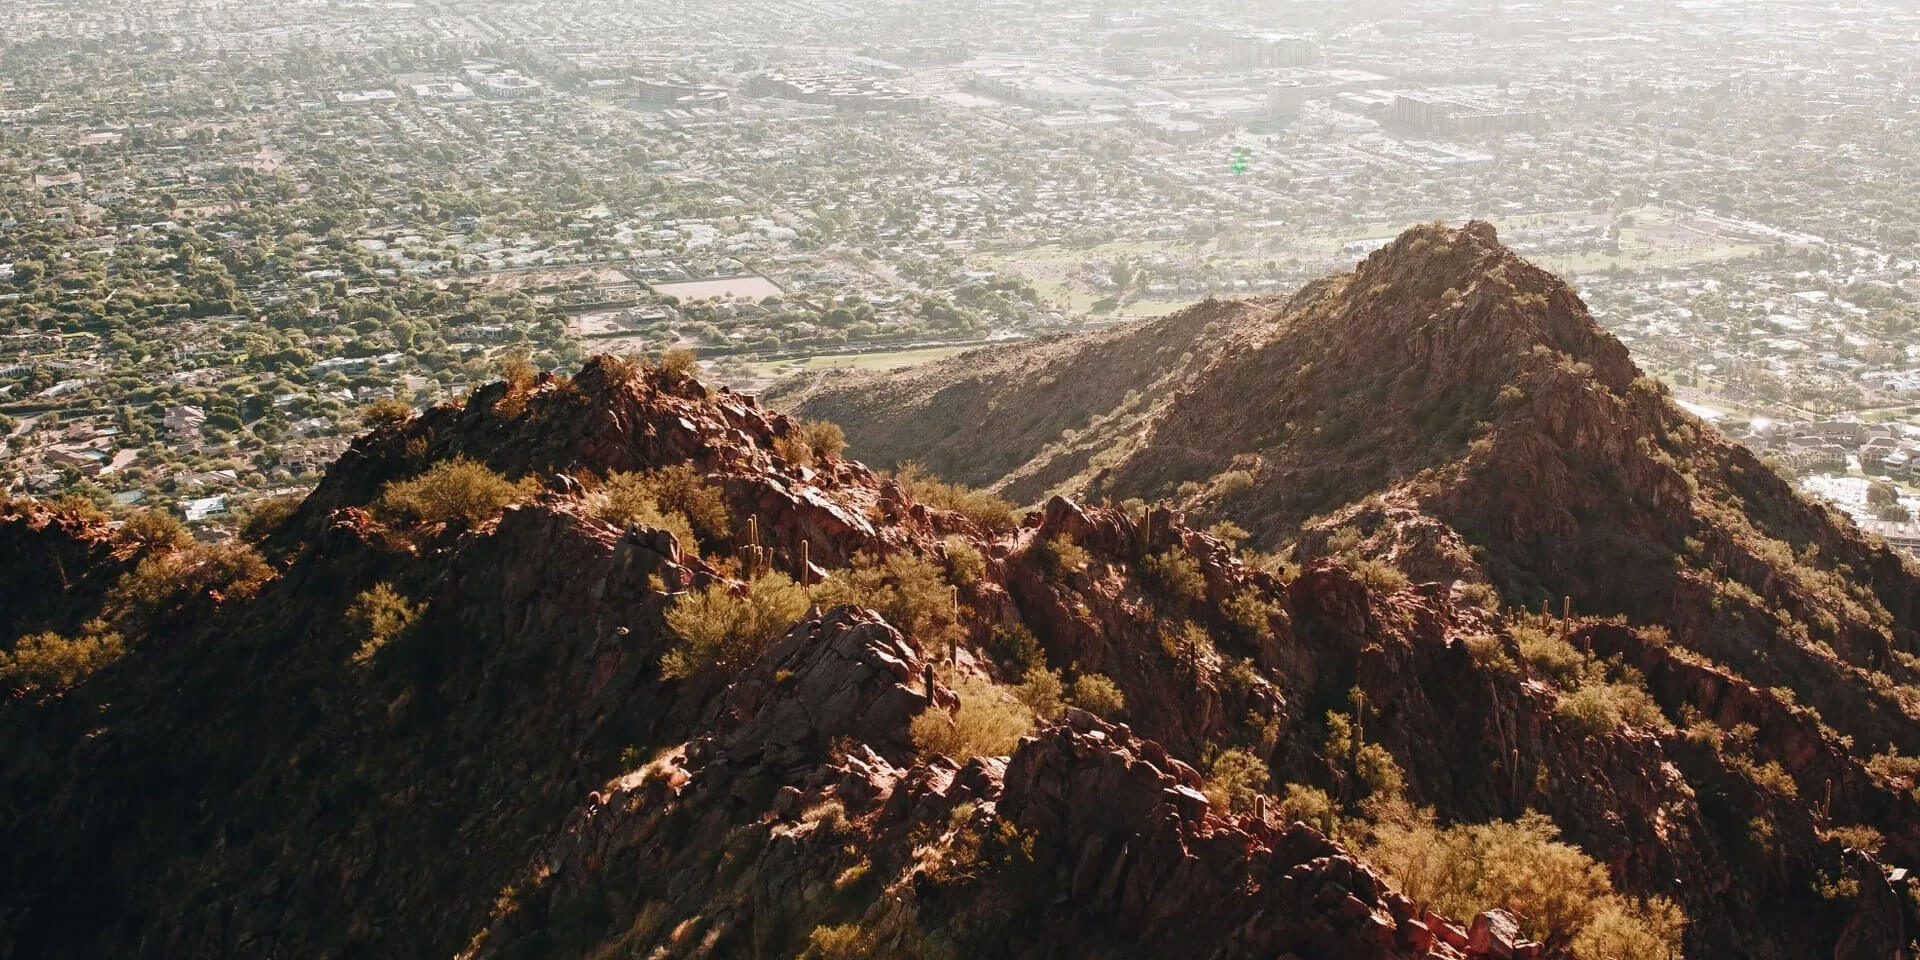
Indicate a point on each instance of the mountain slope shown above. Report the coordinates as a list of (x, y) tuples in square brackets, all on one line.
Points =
[(518, 767), (1451, 410)]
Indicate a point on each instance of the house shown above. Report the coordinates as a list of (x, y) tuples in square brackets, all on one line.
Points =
[(183, 420)]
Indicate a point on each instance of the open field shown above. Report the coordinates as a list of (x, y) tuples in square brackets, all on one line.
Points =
[(752, 287)]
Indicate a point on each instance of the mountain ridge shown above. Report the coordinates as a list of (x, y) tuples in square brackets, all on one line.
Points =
[(517, 771)]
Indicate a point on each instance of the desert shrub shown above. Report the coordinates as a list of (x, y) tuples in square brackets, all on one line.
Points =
[(1186, 641), (909, 590), (1558, 893), (1018, 649), (1598, 707), (1308, 805), (1769, 776), (719, 633), (266, 516), (1624, 930), (1251, 615), (1858, 836), (1894, 766), (1379, 773), (1551, 656), (811, 441), (981, 507), (1234, 779), (49, 661), (1097, 694), (1059, 555), (1041, 692), (684, 490), (965, 561), (1232, 483), (378, 615), (155, 530), (457, 489), (1229, 531), (679, 362), (1380, 575), (1176, 575), (1480, 595), (846, 941), (386, 411), (630, 498), (1344, 541), (989, 723), (232, 570), (1487, 651)]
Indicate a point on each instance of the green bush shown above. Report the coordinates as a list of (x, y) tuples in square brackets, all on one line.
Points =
[(1560, 895), (679, 362), (49, 661), (1059, 556), (720, 633), (1097, 694), (1041, 692), (810, 442), (1252, 615), (630, 498), (1232, 483), (966, 562), (1599, 707), (234, 570), (1380, 575), (1550, 656), (1176, 575), (379, 615), (847, 941), (1018, 649), (1311, 806), (1234, 779), (684, 490), (386, 411), (985, 509), (910, 591), (152, 530), (457, 489), (989, 723)]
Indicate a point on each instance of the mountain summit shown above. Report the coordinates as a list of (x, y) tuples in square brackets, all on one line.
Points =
[(617, 664)]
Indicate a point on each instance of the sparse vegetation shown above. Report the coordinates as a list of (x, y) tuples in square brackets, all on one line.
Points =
[(981, 507), (719, 632), (386, 411), (378, 615), (810, 442), (990, 722), (679, 362), (49, 661), (1176, 575), (457, 489), (1059, 555), (1234, 779), (1017, 649), (1041, 692), (631, 498), (964, 561), (225, 571), (909, 590), (1097, 694), (1561, 896)]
